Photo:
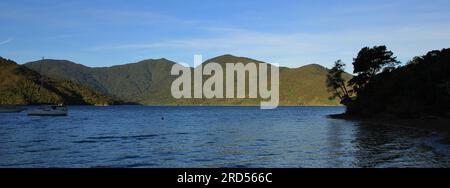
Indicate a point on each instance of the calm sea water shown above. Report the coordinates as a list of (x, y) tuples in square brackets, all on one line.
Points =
[(138, 136)]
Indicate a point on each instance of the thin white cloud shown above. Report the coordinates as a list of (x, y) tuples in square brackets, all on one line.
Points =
[(61, 36), (6, 41)]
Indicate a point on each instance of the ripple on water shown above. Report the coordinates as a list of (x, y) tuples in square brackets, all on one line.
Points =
[(134, 136), (96, 139)]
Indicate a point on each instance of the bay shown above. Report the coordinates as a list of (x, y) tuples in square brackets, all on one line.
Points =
[(148, 136)]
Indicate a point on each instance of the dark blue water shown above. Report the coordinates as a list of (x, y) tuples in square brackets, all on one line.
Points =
[(137, 136)]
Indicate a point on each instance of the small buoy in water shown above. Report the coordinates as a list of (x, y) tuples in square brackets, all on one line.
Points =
[(162, 118)]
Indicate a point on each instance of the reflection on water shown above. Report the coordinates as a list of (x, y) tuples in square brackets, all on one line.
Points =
[(137, 136), (384, 146)]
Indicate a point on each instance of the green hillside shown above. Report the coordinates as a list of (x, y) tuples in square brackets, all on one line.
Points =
[(131, 82), (149, 81), (20, 85), (305, 86)]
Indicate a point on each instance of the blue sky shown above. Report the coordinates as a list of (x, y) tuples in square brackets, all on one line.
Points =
[(290, 33)]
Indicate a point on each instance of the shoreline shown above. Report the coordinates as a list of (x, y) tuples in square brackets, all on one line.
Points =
[(185, 105), (439, 125)]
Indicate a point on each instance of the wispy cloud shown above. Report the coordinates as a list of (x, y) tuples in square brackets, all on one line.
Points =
[(291, 34), (293, 49), (6, 41), (61, 36)]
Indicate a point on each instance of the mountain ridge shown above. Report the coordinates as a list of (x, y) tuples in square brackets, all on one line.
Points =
[(148, 81)]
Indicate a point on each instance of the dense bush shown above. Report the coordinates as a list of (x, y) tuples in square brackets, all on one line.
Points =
[(421, 87)]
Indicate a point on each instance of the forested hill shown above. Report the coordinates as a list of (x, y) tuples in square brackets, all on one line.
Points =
[(20, 85), (149, 81)]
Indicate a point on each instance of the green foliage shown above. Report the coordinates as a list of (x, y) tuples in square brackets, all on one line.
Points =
[(422, 87), (336, 84), (368, 63)]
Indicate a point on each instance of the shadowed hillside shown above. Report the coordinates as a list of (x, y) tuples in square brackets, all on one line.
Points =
[(20, 85)]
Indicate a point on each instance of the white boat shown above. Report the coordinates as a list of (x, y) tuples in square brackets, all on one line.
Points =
[(11, 109), (54, 110)]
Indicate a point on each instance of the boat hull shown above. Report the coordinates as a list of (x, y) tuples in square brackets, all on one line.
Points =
[(55, 110), (15, 110), (39, 114), (46, 113)]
